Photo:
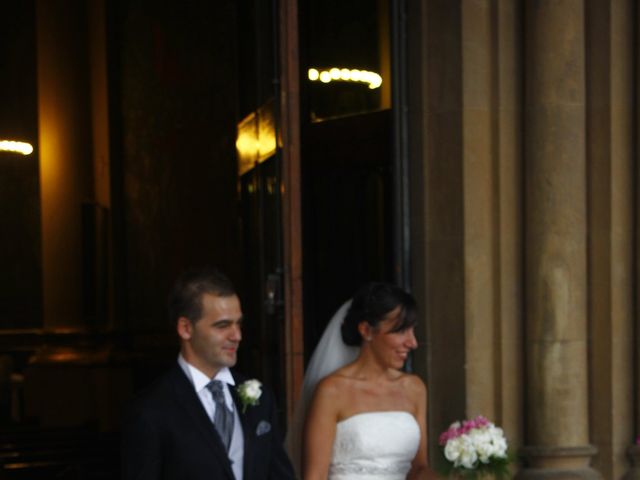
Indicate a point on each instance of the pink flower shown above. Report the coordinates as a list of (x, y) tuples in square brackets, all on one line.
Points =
[(638, 440), (481, 421), (475, 443), (458, 429)]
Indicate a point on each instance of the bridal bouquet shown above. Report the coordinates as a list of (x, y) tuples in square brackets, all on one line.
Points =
[(475, 448)]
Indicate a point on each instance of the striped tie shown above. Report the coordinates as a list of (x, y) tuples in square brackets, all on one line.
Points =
[(223, 418)]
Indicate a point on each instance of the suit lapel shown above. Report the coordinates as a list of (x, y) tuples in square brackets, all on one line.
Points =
[(247, 431), (189, 401)]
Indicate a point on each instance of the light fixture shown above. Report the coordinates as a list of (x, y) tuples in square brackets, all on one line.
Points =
[(335, 74), (17, 147), (256, 139)]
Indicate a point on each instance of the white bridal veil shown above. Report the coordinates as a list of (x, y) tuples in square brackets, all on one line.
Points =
[(330, 354)]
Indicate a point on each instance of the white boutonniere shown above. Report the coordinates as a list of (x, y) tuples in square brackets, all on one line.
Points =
[(250, 393)]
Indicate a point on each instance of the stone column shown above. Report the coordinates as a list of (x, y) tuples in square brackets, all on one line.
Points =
[(557, 434)]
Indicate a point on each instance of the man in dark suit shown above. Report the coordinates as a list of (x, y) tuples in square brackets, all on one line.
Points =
[(193, 423)]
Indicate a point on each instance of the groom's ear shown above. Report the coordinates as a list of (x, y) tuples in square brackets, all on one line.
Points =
[(184, 328)]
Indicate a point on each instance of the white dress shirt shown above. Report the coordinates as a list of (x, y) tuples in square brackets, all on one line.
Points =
[(199, 381)]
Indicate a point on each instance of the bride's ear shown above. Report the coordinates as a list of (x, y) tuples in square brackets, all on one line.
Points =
[(366, 330)]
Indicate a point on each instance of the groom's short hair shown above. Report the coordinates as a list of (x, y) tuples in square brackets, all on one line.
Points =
[(185, 298)]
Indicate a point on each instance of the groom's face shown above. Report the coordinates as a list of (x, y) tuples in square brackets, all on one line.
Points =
[(211, 343)]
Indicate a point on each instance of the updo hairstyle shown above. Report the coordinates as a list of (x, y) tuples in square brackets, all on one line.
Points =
[(371, 303)]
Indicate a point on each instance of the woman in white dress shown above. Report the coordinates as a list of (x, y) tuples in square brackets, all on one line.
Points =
[(367, 419)]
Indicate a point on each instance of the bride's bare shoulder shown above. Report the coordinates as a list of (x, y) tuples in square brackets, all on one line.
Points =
[(414, 384), (336, 381)]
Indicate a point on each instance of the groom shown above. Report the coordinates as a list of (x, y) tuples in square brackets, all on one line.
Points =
[(193, 423)]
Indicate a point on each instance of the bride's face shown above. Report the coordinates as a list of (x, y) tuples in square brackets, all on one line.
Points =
[(389, 347)]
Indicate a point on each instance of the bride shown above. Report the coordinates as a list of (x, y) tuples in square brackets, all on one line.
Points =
[(367, 419)]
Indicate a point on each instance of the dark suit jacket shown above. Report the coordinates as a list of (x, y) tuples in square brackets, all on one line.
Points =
[(168, 435)]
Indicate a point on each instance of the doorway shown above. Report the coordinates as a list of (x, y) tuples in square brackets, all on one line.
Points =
[(349, 166), (350, 160)]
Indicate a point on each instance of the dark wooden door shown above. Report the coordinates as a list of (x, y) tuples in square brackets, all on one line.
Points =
[(263, 350), (347, 214)]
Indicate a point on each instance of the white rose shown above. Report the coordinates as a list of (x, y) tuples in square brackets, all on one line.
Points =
[(483, 444), (452, 449), (463, 451), (249, 392), (253, 388), (500, 446), (498, 441), (468, 456), (485, 453)]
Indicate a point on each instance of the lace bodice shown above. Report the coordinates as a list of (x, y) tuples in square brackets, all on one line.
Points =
[(374, 446)]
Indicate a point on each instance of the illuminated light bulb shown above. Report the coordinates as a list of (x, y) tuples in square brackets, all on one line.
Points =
[(366, 77), (375, 81), (372, 79), (17, 147)]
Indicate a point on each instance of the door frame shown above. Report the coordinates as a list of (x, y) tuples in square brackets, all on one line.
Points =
[(289, 122), (289, 125)]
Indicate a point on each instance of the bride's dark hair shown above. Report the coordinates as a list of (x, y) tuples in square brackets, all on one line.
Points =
[(371, 303)]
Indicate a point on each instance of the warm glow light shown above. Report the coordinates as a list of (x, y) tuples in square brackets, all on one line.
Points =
[(334, 74), (17, 147), (248, 145), (256, 139)]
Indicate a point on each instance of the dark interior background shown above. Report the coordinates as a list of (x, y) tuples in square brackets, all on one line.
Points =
[(20, 282), (180, 76), (347, 158)]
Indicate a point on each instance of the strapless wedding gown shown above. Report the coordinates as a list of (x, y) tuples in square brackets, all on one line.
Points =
[(374, 446)]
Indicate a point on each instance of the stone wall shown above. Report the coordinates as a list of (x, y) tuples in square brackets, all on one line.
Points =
[(524, 210)]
